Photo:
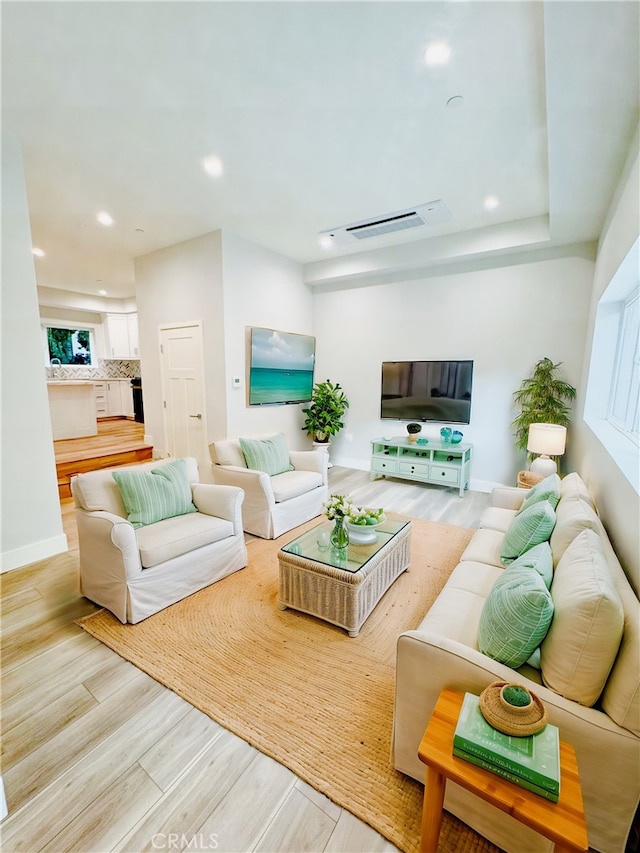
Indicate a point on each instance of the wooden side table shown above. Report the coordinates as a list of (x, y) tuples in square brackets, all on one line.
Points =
[(562, 822)]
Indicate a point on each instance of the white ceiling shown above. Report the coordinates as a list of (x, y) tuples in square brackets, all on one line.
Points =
[(323, 114)]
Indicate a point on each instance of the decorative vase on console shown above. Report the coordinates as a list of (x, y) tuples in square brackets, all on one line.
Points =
[(339, 535), (413, 430)]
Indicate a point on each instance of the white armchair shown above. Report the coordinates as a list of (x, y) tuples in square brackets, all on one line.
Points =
[(274, 503), (134, 572)]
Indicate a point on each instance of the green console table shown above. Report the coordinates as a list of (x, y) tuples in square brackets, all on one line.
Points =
[(435, 462)]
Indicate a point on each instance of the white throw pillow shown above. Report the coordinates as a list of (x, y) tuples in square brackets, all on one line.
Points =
[(578, 652)]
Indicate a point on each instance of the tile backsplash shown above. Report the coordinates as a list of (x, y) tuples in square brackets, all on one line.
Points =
[(107, 369)]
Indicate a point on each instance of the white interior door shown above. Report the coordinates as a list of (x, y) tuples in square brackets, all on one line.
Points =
[(181, 354)]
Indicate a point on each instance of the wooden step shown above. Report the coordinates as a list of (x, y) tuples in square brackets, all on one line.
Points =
[(119, 442)]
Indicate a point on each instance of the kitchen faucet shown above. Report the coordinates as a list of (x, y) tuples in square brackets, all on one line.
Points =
[(55, 365)]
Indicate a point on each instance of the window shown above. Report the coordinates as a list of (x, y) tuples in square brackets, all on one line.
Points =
[(623, 408), (71, 345), (612, 397)]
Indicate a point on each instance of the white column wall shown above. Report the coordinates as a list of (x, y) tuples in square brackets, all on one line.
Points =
[(181, 284), (505, 319), (31, 521), (261, 288)]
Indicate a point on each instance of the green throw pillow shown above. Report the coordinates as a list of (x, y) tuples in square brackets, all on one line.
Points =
[(530, 527), (546, 490), (516, 616), (269, 455), (155, 494), (540, 559)]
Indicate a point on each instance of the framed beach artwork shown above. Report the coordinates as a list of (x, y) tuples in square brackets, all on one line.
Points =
[(280, 367)]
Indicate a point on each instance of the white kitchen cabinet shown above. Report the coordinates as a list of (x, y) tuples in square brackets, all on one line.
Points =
[(100, 396), (121, 333), (119, 398)]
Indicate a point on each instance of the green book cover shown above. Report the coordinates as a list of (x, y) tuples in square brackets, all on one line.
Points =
[(500, 771), (535, 758)]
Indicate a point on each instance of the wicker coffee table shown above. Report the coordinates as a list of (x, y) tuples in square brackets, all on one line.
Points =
[(342, 587)]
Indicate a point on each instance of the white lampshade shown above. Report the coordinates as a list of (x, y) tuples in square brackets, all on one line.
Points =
[(547, 440)]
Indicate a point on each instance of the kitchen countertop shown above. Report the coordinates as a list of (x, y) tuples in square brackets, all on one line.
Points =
[(70, 381)]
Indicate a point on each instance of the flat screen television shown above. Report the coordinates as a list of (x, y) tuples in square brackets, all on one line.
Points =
[(280, 367), (438, 391)]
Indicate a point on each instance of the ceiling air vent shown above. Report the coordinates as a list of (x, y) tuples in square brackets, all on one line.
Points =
[(431, 213)]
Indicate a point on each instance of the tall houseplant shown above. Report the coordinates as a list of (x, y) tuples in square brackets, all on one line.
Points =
[(541, 399), (324, 414)]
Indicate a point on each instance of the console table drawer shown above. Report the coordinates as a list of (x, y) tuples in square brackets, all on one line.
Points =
[(445, 475), (384, 466), (417, 469)]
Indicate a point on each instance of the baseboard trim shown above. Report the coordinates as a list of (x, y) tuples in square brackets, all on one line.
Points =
[(20, 557)]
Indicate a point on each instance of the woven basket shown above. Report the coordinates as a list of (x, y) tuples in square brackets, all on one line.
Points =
[(511, 719), (528, 479)]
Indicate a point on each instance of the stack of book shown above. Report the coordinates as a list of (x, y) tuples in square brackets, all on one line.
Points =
[(533, 762)]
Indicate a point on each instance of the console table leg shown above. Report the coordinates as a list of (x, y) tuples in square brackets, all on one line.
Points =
[(432, 810)]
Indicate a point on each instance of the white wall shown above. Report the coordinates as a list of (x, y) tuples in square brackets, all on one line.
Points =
[(505, 319), (230, 284), (618, 502), (181, 284), (261, 288), (31, 521)]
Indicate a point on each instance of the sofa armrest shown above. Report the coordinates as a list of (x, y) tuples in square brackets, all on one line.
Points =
[(508, 497), (220, 501), (248, 479), (311, 460)]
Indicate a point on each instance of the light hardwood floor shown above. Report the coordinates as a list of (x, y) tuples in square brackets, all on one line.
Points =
[(97, 756)]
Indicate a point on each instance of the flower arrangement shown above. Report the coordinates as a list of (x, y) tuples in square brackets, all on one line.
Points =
[(364, 515), (338, 506)]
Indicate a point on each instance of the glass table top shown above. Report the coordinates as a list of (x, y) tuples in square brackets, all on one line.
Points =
[(314, 545)]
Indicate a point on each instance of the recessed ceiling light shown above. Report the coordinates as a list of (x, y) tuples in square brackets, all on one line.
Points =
[(437, 53), (37, 252), (491, 202), (455, 101), (104, 218), (326, 241), (213, 166), (102, 292)]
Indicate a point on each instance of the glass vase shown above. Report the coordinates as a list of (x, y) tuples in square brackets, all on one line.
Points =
[(339, 535)]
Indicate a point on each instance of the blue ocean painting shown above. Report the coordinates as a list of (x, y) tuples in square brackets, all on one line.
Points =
[(281, 367)]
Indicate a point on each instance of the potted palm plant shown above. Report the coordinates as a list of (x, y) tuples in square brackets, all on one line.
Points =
[(542, 399), (325, 412)]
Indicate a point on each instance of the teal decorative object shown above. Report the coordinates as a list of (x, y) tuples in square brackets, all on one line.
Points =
[(515, 695), (445, 434), (456, 436), (339, 535)]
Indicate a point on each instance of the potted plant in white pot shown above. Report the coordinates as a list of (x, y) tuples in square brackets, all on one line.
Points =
[(325, 412)]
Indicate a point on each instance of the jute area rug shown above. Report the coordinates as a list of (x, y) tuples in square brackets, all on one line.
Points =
[(298, 689)]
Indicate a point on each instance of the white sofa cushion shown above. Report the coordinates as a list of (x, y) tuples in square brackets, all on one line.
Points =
[(484, 548), (173, 537), (497, 518), (572, 517), (581, 646), (573, 486), (290, 484)]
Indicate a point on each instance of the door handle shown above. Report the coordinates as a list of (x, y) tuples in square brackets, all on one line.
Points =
[(199, 416)]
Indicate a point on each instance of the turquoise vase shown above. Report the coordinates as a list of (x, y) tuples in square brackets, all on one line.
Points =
[(339, 535)]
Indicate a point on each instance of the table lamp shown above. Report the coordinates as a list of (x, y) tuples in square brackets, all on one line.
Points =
[(547, 440)]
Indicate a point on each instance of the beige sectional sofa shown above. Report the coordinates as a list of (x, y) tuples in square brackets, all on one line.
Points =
[(595, 701)]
